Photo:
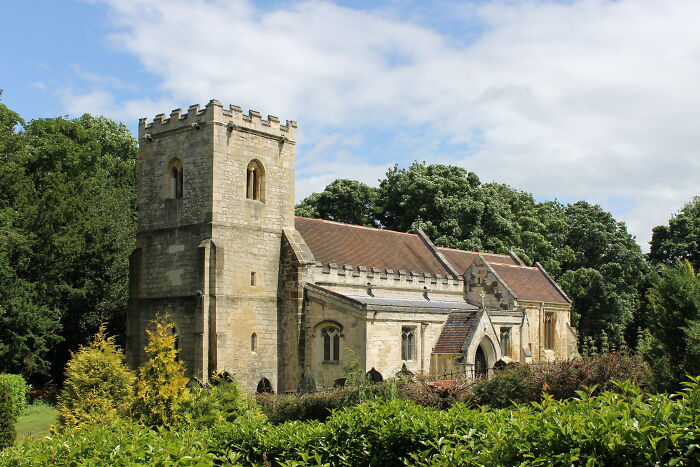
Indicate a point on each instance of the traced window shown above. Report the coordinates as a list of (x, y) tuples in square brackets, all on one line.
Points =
[(505, 341), (253, 342), (549, 322), (331, 344), (254, 181), (408, 343), (252, 278)]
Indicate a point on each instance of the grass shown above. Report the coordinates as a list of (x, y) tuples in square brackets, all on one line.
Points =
[(36, 421)]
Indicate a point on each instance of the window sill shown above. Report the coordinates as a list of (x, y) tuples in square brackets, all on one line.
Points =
[(330, 362)]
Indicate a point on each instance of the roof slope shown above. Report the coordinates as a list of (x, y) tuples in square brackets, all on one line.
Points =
[(462, 259), (455, 331), (529, 283), (333, 242)]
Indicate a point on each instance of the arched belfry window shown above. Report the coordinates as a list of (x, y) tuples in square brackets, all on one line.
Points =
[(254, 181), (176, 179)]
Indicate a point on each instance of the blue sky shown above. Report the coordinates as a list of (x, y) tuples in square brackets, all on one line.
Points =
[(588, 99)]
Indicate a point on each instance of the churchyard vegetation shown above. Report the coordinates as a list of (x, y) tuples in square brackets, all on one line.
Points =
[(561, 422)]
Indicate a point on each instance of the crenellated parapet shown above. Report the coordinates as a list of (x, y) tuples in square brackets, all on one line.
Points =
[(214, 113), (361, 276)]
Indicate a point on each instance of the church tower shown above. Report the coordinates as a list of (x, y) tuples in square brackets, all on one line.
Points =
[(216, 188)]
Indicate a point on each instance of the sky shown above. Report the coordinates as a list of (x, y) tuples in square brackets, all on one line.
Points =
[(570, 100)]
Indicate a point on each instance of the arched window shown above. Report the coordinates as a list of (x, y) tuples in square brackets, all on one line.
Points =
[(254, 181), (176, 179), (264, 385), (408, 343), (549, 323), (253, 342), (331, 344)]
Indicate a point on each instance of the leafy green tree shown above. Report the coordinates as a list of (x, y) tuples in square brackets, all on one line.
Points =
[(680, 239), (343, 200), (29, 327), (594, 257), (162, 386), (67, 227), (443, 200), (98, 384), (674, 323), (603, 273)]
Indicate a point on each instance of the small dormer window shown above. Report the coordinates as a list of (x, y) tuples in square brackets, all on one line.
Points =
[(254, 181)]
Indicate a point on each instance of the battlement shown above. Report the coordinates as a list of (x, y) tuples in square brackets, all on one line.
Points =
[(214, 114), (360, 276)]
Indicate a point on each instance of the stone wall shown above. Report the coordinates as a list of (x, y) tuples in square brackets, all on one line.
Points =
[(224, 292)]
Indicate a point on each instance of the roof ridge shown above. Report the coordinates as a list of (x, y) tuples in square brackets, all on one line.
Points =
[(471, 251), (355, 225), (514, 265)]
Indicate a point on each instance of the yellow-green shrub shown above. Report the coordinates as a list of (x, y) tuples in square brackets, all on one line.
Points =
[(98, 384), (162, 385)]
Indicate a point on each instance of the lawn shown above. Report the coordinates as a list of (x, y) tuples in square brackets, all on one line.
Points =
[(36, 421)]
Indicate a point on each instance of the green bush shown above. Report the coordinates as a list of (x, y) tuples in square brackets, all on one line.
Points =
[(222, 401), (13, 400), (319, 405), (117, 443), (98, 384), (18, 389), (8, 418), (528, 383), (622, 428)]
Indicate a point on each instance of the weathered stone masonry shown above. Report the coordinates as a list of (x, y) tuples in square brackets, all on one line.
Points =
[(272, 298)]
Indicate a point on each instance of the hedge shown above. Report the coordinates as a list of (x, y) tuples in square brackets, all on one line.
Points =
[(13, 400), (622, 428)]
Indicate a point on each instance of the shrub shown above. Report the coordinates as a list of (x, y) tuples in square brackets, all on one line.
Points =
[(528, 383), (622, 428), (98, 384), (8, 418), (17, 388), (222, 401), (162, 385), (319, 405), (119, 442)]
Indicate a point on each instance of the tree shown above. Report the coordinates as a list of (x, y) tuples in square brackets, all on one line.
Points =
[(594, 257), (29, 328), (603, 273), (680, 239), (674, 323), (67, 227), (443, 200), (98, 384), (162, 386), (343, 200)]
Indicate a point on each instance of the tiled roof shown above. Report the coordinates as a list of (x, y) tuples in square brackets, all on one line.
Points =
[(455, 331), (333, 242), (462, 259), (529, 283)]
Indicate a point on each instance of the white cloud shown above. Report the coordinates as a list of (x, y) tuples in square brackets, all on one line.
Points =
[(589, 99)]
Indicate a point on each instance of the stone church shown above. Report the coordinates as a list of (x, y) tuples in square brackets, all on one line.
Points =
[(271, 297)]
